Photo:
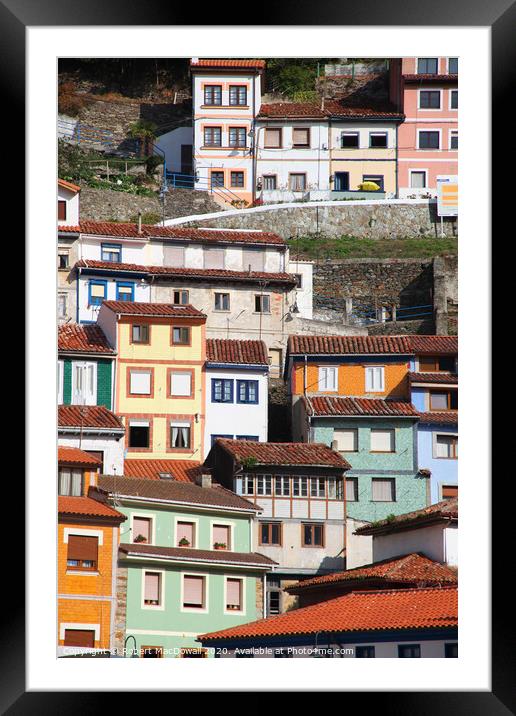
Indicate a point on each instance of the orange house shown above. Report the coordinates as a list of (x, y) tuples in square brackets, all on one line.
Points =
[(88, 536)]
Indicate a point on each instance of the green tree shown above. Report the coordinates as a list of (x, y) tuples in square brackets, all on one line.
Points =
[(145, 132)]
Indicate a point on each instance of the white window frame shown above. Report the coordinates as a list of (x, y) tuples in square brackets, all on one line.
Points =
[(240, 612), (448, 64), (153, 607), (355, 133), (437, 434), (335, 371), (223, 523), (429, 129), (383, 133), (192, 610), (79, 532), (139, 423), (430, 109), (191, 520), (60, 381), (146, 516), (418, 171), (62, 296), (367, 381), (221, 293), (450, 92), (450, 133), (91, 400)]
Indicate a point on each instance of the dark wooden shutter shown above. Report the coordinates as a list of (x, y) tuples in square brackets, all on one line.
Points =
[(83, 548), (79, 637), (61, 210)]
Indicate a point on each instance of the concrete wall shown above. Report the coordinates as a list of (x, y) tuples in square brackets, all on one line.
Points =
[(437, 542)]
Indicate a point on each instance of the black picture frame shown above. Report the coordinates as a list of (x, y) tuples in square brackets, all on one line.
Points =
[(500, 16)]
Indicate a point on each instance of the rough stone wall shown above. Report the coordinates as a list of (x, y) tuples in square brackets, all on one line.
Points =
[(378, 221), (259, 598), (446, 296), (121, 607), (423, 327)]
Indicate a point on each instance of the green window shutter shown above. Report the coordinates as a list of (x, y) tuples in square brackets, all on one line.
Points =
[(67, 382), (104, 383)]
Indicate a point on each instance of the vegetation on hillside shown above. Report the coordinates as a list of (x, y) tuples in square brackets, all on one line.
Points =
[(354, 247)]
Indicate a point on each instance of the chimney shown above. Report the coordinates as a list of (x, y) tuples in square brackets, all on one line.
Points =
[(204, 477), (139, 222)]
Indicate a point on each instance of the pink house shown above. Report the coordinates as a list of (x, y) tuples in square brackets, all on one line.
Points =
[(425, 90)]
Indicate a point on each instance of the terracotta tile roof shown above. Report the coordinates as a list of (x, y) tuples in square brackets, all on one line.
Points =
[(68, 229), (79, 338), (182, 470), (88, 416), (87, 507), (308, 454), (445, 510), (253, 559), (221, 350), (394, 609), (148, 231), (74, 456), (450, 417), (68, 185), (447, 378), (327, 405), (332, 108), (175, 491), (217, 62), (346, 108), (412, 568), (350, 345), (196, 274), (160, 310), (434, 345), (292, 110), (430, 78)]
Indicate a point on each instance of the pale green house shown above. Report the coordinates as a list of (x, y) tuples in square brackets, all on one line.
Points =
[(186, 558)]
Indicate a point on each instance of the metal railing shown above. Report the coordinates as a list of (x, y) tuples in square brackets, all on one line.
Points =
[(176, 180)]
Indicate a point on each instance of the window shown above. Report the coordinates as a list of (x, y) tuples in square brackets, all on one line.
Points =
[(180, 298), (383, 490), (63, 260), (213, 94), (428, 139), (60, 381), (352, 489), (124, 291), (111, 253), (454, 99), (79, 637), (217, 179), (427, 65), (180, 435), (221, 537), (376, 179), (347, 440), (61, 210), (272, 139), (299, 279), (253, 259), (84, 383), (262, 303), (327, 378), (313, 535), (247, 391), (70, 482), (237, 138), (264, 484), (237, 180), (214, 258), (97, 292), (142, 529), (194, 592), (234, 595), (451, 651), (247, 484), (375, 379), (349, 140), (430, 364), (180, 336), (140, 333), (430, 99), (446, 446), (301, 137), (212, 136), (453, 65), (222, 302), (364, 652), (443, 400), (140, 382), (252, 438), (449, 492), (219, 435), (221, 390), (152, 589), (409, 651), (273, 595), (237, 95), (317, 486), (300, 486), (139, 434), (185, 534), (454, 139), (61, 305), (297, 182), (181, 384), (269, 182), (383, 441), (378, 140), (282, 486), (335, 491), (418, 180), (174, 256), (270, 533)]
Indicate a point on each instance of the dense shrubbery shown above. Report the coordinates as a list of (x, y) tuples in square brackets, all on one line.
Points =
[(68, 102)]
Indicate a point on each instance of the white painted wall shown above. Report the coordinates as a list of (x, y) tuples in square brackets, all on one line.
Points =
[(364, 129), (304, 295), (437, 542), (88, 314), (72, 206), (170, 143), (359, 549), (113, 449)]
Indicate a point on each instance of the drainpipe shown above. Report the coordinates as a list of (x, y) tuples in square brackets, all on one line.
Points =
[(396, 163)]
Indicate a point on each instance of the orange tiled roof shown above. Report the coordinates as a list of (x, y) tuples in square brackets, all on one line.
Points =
[(356, 407), (88, 416), (135, 308), (434, 377), (86, 507), (411, 568), (434, 344), (219, 62), (309, 454), (68, 185), (444, 510), (222, 350), (393, 609), (350, 345), (292, 110), (346, 108), (74, 337), (182, 470), (332, 108), (430, 78), (74, 456), (450, 417)]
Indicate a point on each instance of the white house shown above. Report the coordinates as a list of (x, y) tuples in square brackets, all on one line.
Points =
[(177, 146), (67, 203), (236, 390)]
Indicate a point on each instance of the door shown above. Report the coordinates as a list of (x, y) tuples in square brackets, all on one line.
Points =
[(341, 181), (84, 383), (186, 159)]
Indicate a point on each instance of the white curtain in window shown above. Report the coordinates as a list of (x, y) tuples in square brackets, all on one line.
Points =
[(65, 477), (327, 378), (351, 490), (382, 490), (374, 379), (76, 483)]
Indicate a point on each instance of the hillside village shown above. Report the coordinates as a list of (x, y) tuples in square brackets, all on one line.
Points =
[(258, 363)]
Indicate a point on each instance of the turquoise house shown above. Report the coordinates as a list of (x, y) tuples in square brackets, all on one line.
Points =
[(186, 558), (379, 440)]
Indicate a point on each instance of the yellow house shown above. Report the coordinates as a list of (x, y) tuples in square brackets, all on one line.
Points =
[(159, 377)]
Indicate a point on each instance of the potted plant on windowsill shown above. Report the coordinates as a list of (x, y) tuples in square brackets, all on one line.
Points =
[(220, 545), (140, 538), (183, 542)]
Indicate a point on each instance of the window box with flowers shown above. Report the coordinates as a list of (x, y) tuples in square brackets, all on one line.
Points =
[(183, 542), (220, 545)]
